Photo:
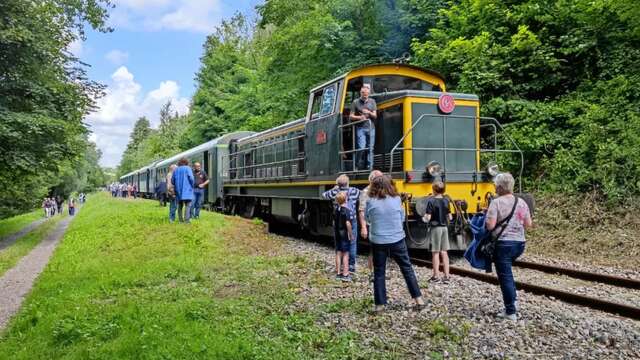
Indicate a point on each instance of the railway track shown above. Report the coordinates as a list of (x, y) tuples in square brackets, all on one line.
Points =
[(579, 274), (566, 296), (611, 307)]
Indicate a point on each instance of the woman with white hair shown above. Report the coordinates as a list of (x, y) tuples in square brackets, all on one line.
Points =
[(507, 218)]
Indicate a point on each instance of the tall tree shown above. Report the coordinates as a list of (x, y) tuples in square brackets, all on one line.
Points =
[(44, 94)]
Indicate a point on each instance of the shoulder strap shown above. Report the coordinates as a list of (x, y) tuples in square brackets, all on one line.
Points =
[(504, 222)]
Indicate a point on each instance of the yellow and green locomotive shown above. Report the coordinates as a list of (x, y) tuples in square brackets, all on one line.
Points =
[(422, 133)]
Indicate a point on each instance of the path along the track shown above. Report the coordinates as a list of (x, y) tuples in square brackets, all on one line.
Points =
[(16, 283)]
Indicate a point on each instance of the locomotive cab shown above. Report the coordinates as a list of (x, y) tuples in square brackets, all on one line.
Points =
[(418, 124)]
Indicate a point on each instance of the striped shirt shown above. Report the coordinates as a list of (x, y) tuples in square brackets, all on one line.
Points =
[(353, 194)]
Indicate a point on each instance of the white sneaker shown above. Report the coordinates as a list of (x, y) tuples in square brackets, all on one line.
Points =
[(503, 315)]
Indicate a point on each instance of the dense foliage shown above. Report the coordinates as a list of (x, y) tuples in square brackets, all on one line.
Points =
[(257, 75), (563, 75), (44, 95), (147, 144)]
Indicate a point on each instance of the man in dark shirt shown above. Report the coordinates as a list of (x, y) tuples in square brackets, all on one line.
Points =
[(364, 108), (201, 182)]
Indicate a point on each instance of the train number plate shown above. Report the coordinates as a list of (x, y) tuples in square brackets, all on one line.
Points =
[(321, 137)]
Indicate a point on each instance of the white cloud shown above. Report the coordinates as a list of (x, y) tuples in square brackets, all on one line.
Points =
[(75, 47), (122, 105), (117, 57), (189, 15)]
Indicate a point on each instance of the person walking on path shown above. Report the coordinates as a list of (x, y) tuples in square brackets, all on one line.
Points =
[(72, 206), (438, 216), (171, 193), (507, 219), (343, 219), (385, 213), (59, 203), (202, 180), (45, 207), (342, 185), (183, 182)]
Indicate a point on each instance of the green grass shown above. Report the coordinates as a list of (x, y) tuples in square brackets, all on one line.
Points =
[(125, 283), (14, 224), (10, 256)]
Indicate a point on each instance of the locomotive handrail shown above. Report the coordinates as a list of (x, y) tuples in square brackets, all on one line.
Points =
[(269, 144), (495, 150), (394, 148), (267, 164), (353, 141), (495, 137), (227, 158)]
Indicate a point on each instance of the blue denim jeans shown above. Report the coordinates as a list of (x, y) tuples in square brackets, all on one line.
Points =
[(398, 252), (353, 247), (173, 205), (187, 210), (506, 253), (197, 202), (365, 137)]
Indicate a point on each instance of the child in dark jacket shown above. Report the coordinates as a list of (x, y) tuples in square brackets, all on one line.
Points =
[(343, 234)]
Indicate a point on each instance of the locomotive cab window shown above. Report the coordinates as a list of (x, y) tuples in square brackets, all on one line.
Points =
[(324, 101)]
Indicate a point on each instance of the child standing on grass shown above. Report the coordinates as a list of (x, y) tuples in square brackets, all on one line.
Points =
[(343, 234)]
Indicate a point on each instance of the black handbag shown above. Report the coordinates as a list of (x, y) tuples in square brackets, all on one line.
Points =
[(488, 248)]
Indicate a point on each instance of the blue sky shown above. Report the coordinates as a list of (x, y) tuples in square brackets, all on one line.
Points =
[(150, 58)]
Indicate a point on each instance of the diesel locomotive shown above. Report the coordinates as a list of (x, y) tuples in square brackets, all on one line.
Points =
[(422, 133)]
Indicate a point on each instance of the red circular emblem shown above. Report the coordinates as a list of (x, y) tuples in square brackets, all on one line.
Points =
[(446, 103)]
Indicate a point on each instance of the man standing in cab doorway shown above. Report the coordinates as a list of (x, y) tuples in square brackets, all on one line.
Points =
[(362, 109), (202, 180)]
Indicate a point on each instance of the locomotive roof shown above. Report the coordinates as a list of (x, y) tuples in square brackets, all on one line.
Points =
[(407, 66)]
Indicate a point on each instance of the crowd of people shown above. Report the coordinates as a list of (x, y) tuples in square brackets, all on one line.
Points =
[(123, 190), (381, 216), (184, 188), (55, 205), (52, 206)]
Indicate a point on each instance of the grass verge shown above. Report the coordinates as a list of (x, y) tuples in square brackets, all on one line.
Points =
[(124, 283), (14, 224), (10, 256)]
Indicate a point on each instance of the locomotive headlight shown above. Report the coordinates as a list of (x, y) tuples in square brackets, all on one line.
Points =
[(493, 169), (434, 168)]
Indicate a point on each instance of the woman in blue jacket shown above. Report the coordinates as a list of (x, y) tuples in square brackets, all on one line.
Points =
[(183, 182), (385, 214)]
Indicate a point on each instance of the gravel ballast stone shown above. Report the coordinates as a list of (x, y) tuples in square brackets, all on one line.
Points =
[(460, 318)]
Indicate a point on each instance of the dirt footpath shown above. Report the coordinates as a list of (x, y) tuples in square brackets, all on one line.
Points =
[(18, 281)]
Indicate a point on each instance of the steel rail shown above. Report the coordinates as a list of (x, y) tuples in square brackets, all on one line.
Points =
[(568, 297), (580, 274)]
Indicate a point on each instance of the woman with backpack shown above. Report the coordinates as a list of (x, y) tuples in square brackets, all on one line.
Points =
[(507, 218)]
